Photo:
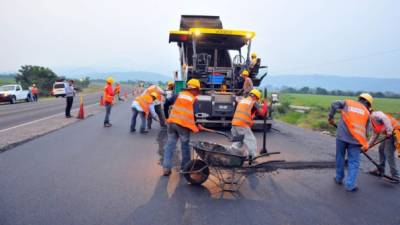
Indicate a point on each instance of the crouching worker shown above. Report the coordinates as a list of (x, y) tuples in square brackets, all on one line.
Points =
[(386, 124), (143, 106), (181, 122), (351, 136), (243, 121)]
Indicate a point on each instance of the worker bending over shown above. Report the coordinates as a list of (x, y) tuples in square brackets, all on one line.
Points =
[(387, 125), (108, 100), (247, 84), (243, 121), (351, 136), (181, 122), (144, 106), (158, 105)]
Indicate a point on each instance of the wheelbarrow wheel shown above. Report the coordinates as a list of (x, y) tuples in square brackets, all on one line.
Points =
[(196, 172)]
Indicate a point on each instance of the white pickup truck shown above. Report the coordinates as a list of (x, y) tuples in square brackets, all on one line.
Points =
[(13, 93)]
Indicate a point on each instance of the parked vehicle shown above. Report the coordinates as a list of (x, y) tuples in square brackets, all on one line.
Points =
[(13, 93), (59, 89)]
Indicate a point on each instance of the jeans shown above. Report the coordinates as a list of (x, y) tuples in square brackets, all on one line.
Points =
[(142, 118), (174, 133), (387, 152), (160, 113), (69, 100), (108, 112), (353, 156), (249, 140)]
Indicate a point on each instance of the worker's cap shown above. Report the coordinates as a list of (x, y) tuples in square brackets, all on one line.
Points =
[(256, 93), (154, 94), (367, 97), (193, 84), (170, 83), (110, 80), (253, 55), (245, 73)]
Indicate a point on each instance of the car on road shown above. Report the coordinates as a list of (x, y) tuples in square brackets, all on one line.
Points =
[(13, 93), (59, 89)]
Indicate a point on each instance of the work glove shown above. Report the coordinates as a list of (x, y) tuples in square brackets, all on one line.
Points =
[(331, 121), (365, 148)]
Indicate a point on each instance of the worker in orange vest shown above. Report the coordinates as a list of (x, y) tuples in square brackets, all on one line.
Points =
[(243, 121), (144, 106), (181, 123), (383, 123), (35, 93), (351, 136), (158, 105), (108, 100), (117, 91)]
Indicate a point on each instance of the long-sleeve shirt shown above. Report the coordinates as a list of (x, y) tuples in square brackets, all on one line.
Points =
[(380, 118), (69, 90), (136, 105), (342, 132)]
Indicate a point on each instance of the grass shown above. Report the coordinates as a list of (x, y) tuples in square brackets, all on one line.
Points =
[(316, 117)]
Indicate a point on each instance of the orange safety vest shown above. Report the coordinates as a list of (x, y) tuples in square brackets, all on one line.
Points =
[(151, 89), (117, 89), (379, 128), (182, 111), (108, 97), (355, 115), (145, 101), (243, 116), (35, 90)]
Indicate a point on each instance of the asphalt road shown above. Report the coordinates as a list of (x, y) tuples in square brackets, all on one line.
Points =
[(86, 174)]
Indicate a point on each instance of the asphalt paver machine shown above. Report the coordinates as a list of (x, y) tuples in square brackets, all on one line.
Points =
[(216, 56)]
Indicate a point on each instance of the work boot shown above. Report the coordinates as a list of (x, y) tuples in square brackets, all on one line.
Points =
[(144, 131), (133, 130), (375, 172), (355, 189), (107, 124), (166, 172), (338, 182)]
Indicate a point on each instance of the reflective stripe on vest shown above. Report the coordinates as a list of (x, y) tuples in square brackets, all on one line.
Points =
[(144, 102), (355, 115), (243, 116), (182, 111)]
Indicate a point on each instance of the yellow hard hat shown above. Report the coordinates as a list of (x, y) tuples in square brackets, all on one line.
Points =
[(256, 93), (367, 97), (110, 80), (253, 55), (154, 94), (245, 73), (170, 83), (193, 83)]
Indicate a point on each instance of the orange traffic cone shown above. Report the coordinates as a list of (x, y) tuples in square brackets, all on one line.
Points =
[(81, 114), (101, 101)]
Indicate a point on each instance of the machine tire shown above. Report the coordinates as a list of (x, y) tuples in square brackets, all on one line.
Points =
[(196, 178), (13, 100)]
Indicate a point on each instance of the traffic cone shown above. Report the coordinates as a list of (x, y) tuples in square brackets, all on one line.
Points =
[(101, 101), (81, 114)]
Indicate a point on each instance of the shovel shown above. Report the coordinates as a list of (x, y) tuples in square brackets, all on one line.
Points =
[(238, 138), (380, 169)]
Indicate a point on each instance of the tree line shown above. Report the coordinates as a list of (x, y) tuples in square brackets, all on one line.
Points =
[(323, 91)]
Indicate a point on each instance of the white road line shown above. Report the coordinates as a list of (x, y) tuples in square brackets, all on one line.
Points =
[(41, 119)]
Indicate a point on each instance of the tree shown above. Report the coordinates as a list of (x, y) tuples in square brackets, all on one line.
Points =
[(321, 91), (304, 90), (43, 77)]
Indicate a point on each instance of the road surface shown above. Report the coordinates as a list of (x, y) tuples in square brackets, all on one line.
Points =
[(86, 174)]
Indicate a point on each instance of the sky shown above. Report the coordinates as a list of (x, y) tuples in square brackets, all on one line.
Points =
[(341, 37)]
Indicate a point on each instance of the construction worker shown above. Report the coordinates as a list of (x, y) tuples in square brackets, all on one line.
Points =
[(253, 61), (351, 136), (117, 91), (169, 92), (247, 84), (243, 121), (144, 106), (158, 105), (69, 95), (386, 124), (181, 122), (108, 100), (35, 92)]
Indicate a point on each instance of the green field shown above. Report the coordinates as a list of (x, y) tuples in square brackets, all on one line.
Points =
[(6, 80), (316, 117)]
